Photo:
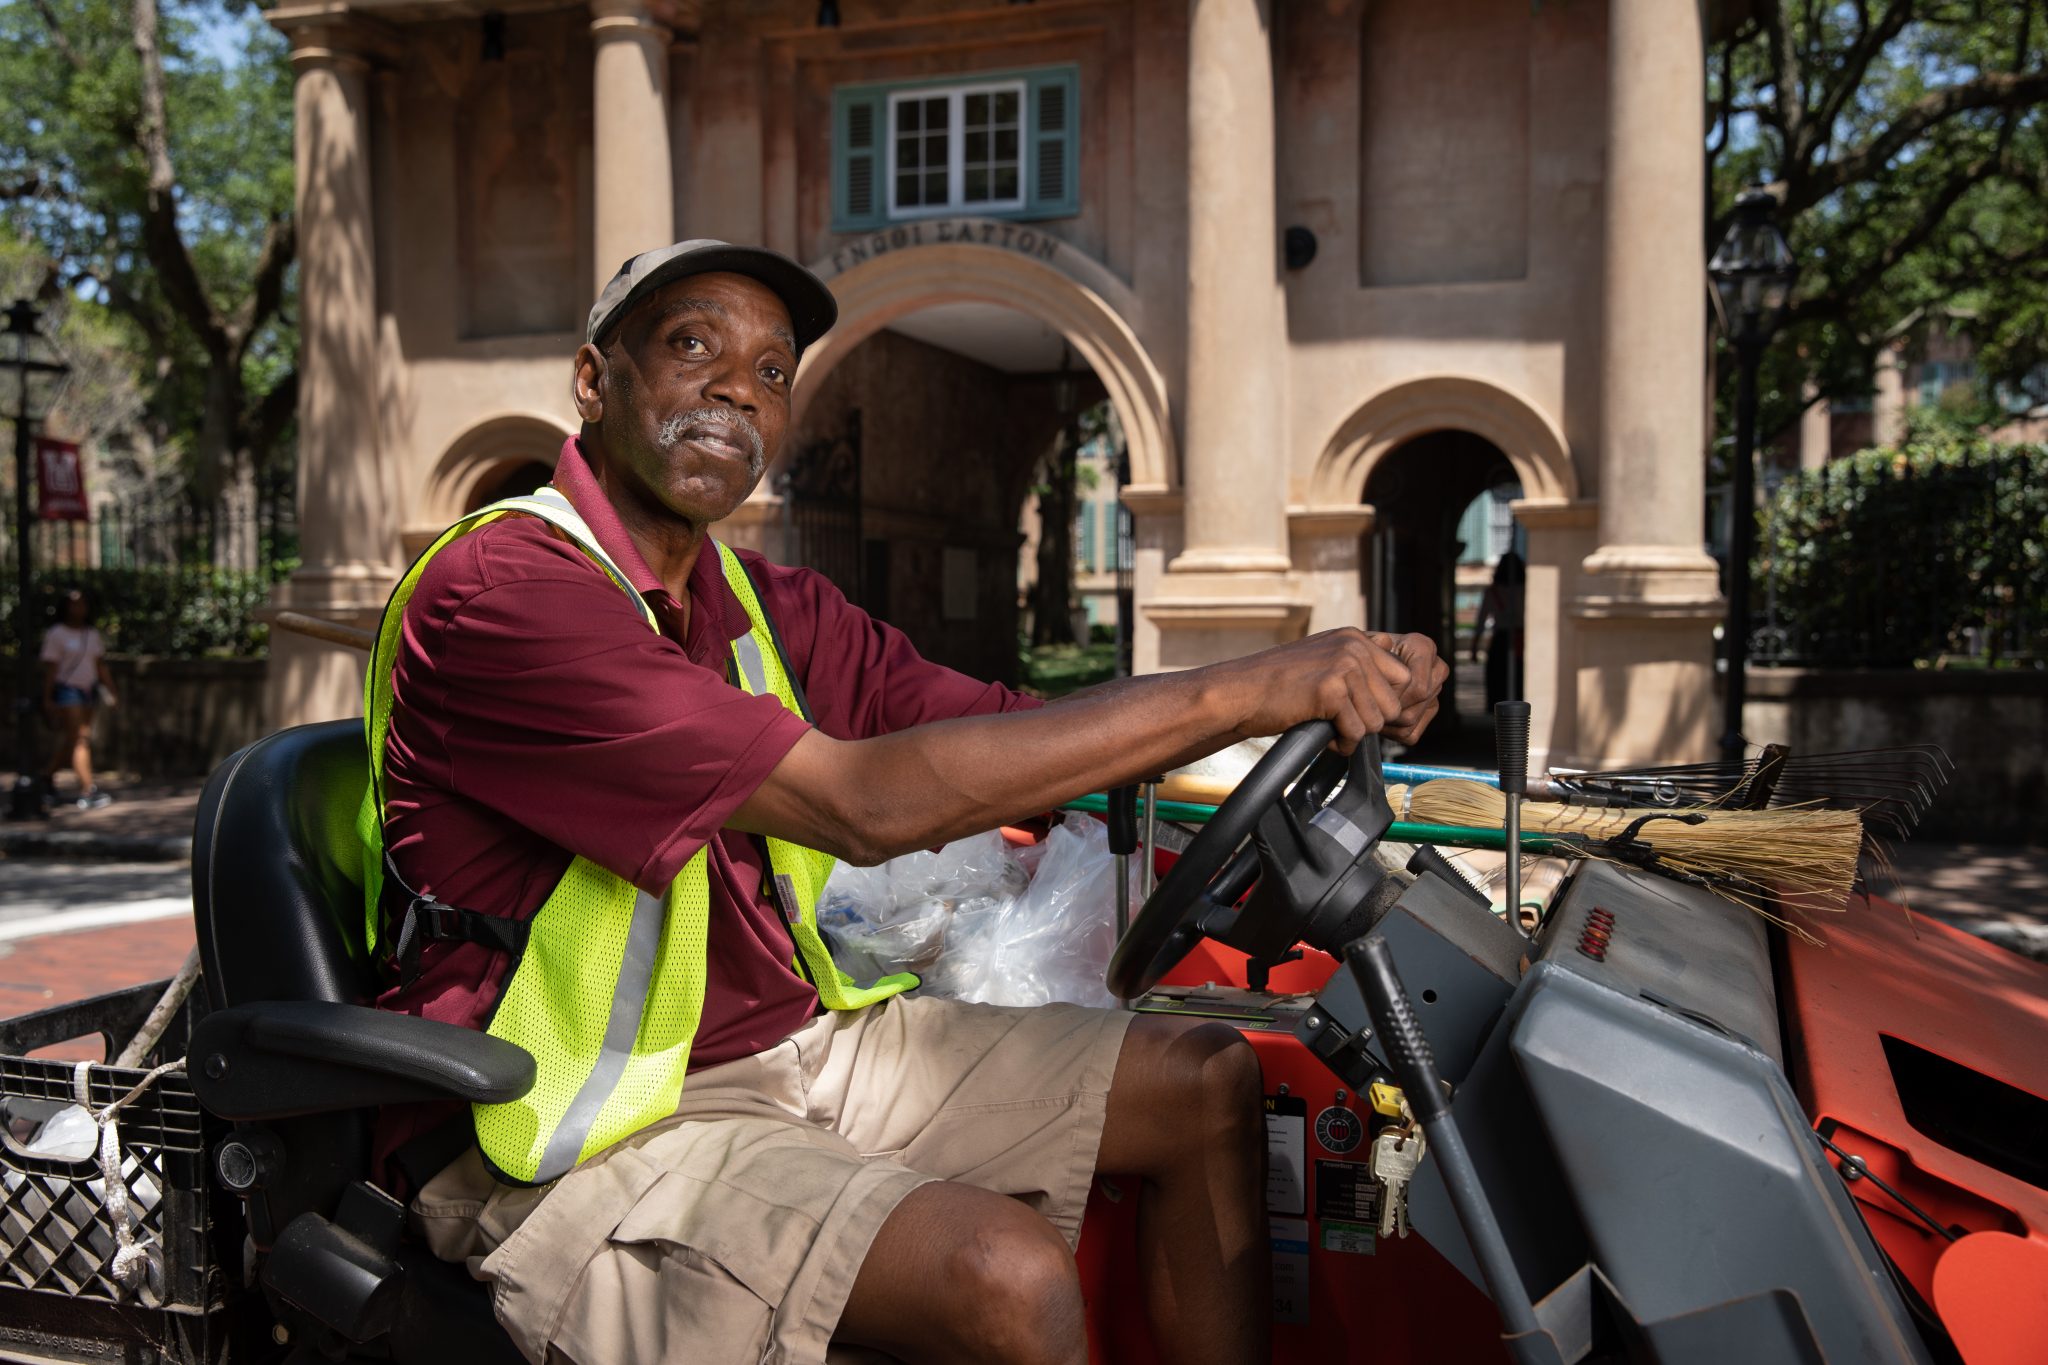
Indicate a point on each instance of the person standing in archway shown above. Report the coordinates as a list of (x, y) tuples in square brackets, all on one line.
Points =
[(1500, 609)]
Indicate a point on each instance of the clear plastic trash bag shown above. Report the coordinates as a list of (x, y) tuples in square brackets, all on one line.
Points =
[(981, 920)]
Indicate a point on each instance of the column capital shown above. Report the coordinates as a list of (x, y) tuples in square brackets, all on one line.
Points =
[(626, 19), (330, 32), (1346, 519), (1562, 513)]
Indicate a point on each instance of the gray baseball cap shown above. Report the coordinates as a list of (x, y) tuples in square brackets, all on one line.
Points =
[(812, 309)]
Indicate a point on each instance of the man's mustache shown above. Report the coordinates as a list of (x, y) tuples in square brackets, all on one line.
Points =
[(723, 424)]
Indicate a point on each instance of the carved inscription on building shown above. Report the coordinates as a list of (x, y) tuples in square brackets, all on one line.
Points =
[(1018, 237)]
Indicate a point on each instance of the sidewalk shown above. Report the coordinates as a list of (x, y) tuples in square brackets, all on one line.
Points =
[(146, 822)]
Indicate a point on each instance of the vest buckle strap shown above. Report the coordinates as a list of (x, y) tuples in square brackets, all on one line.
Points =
[(426, 920)]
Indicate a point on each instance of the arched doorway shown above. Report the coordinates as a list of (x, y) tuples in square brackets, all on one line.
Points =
[(1429, 445), (1432, 549), (501, 455), (913, 476), (968, 348)]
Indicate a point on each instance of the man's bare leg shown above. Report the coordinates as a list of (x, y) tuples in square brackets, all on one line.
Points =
[(960, 1274), (1185, 1115)]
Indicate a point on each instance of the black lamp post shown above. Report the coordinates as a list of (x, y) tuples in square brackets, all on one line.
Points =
[(1752, 272), (31, 375)]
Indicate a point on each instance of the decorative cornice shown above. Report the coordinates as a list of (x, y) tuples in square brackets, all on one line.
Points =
[(330, 32), (1341, 520), (1556, 513)]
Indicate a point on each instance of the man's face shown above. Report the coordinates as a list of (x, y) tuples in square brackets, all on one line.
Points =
[(689, 399)]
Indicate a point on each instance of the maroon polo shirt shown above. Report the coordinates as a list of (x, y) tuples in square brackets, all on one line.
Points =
[(536, 718)]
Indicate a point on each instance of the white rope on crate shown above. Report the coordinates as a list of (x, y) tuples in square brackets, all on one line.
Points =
[(135, 1268)]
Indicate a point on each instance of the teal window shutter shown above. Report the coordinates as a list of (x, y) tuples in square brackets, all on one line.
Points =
[(1054, 172), (857, 162), (1087, 555)]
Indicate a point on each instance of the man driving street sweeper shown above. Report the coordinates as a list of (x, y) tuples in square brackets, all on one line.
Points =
[(613, 761)]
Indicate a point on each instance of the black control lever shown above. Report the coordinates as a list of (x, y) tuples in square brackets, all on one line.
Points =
[(1407, 1050), (1122, 819), (1511, 743)]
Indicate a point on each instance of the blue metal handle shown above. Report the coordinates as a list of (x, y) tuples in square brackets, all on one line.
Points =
[(1412, 773)]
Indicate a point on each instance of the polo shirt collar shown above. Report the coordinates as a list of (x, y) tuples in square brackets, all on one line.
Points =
[(713, 608)]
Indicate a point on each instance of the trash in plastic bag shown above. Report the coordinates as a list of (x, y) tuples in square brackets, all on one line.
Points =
[(980, 920), (892, 917)]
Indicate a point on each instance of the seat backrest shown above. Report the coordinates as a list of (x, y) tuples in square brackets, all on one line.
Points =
[(277, 870)]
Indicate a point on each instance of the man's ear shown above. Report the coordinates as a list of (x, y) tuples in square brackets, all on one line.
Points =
[(587, 381)]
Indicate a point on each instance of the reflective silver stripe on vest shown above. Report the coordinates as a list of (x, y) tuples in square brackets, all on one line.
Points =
[(629, 998), (747, 650)]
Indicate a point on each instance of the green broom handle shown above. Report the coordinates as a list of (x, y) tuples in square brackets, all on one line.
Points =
[(1401, 831)]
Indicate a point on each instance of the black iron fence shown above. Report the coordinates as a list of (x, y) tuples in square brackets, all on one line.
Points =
[(1933, 553), (165, 577)]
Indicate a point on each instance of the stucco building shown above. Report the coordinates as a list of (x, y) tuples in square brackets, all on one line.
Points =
[(1339, 267)]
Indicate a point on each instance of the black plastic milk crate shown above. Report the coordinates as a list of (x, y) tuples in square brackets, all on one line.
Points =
[(59, 1299)]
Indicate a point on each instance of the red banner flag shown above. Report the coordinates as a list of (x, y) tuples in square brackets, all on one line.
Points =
[(60, 484)]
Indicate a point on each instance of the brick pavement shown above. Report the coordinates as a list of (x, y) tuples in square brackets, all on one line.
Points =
[(52, 968)]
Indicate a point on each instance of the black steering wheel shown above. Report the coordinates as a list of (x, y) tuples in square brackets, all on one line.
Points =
[(1303, 853)]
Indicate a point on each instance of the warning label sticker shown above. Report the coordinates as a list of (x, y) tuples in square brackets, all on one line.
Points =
[(1354, 1239), (1346, 1192), (1287, 1156), (1290, 1267)]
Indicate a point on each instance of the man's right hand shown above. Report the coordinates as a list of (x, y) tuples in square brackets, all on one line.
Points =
[(1362, 683)]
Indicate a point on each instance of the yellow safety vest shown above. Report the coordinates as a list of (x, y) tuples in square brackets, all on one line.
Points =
[(608, 989)]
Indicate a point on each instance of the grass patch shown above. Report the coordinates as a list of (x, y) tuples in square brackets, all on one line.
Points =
[(1055, 670)]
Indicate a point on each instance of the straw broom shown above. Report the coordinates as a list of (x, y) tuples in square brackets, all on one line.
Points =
[(1805, 855)]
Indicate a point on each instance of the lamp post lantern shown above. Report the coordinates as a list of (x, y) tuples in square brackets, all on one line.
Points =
[(31, 376), (1752, 271)]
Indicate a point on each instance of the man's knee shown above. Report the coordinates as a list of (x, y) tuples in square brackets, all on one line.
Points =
[(1021, 1295), (1226, 1082)]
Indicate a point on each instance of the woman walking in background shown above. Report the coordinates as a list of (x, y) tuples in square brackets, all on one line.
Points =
[(74, 679)]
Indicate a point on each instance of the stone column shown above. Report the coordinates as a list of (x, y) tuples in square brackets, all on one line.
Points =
[(1815, 430), (1650, 598), (348, 513), (635, 177), (1325, 543), (1236, 338), (1228, 589), (1888, 401)]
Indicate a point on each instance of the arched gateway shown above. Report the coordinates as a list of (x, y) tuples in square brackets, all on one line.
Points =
[(890, 274)]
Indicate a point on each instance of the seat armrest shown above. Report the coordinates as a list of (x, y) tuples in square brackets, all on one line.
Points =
[(283, 1058)]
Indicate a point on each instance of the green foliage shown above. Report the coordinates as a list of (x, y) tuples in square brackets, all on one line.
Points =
[(1903, 555), (186, 612), (1907, 141), (191, 291), (1055, 670)]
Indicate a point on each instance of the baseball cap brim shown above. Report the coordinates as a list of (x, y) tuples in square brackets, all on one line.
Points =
[(812, 309)]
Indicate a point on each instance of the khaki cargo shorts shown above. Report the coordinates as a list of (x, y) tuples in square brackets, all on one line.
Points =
[(733, 1231)]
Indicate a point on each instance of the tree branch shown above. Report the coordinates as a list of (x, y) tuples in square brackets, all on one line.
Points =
[(58, 36), (1870, 41), (1784, 71), (280, 244), (1930, 219), (1994, 90), (161, 237)]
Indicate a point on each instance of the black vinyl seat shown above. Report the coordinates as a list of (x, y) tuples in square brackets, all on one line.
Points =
[(292, 1054)]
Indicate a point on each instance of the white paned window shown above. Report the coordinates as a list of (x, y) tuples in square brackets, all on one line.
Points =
[(956, 149)]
